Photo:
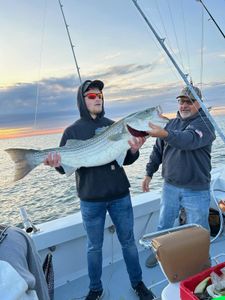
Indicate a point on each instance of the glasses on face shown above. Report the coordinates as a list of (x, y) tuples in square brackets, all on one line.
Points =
[(93, 96), (187, 101)]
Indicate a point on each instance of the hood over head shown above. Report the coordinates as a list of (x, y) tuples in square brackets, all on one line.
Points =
[(84, 87)]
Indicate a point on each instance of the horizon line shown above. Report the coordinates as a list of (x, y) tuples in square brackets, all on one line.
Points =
[(20, 132)]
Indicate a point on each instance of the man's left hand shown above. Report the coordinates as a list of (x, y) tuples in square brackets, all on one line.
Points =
[(136, 143), (157, 131)]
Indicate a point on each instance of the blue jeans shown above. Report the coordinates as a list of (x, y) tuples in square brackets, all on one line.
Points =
[(121, 213), (195, 203)]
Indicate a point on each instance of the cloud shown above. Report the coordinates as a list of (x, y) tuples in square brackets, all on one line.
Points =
[(52, 101), (51, 93), (112, 56), (123, 70), (54, 94)]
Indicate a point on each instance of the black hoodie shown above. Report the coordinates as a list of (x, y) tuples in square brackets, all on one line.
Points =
[(102, 183)]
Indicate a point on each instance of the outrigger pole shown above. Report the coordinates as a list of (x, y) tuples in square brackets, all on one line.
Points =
[(184, 77), (212, 18), (71, 44)]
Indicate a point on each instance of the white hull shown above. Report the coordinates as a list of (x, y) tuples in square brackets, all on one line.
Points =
[(66, 239)]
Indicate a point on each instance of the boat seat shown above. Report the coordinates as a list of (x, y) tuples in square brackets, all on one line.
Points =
[(182, 253)]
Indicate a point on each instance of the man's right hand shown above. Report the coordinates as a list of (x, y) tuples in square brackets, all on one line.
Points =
[(145, 183), (53, 160)]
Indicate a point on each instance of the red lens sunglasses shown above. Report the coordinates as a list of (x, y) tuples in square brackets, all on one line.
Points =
[(93, 96)]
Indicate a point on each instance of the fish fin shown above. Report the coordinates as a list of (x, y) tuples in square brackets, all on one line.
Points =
[(24, 162), (159, 109), (117, 136), (120, 159), (160, 113), (68, 169), (100, 130)]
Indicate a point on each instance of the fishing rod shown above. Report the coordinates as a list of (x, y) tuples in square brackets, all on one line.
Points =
[(212, 18), (70, 40), (184, 77)]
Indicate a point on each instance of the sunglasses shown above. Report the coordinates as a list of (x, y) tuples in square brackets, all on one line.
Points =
[(93, 96), (189, 102)]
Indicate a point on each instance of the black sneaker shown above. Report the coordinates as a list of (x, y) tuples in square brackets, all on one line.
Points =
[(142, 292), (94, 295)]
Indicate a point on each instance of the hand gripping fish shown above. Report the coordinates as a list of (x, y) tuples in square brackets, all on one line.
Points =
[(109, 144)]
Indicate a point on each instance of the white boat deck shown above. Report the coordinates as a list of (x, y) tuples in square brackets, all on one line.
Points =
[(116, 282), (66, 239)]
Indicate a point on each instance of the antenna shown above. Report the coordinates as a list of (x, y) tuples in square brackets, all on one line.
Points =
[(184, 77), (71, 44), (212, 18)]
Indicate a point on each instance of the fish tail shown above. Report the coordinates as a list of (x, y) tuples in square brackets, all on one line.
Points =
[(24, 161)]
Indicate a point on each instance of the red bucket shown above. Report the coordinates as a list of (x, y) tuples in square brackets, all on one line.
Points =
[(188, 285)]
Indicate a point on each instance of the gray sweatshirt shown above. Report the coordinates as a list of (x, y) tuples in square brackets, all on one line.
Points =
[(18, 249), (185, 153)]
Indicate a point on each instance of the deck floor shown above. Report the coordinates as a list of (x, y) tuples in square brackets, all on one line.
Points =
[(116, 282), (115, 274)]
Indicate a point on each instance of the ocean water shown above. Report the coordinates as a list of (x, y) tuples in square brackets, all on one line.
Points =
[(47, 195)]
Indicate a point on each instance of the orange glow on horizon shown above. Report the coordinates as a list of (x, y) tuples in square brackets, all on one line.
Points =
[(11, 133)]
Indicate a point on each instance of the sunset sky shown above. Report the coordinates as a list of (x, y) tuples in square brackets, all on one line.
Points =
[(38, 78)]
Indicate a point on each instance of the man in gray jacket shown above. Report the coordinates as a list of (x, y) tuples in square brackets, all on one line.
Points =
[(184, 150)]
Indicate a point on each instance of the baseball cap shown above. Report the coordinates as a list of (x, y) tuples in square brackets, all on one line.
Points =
[(186, 92), (88, 84)]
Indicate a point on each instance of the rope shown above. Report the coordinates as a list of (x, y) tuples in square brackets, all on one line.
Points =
[(167, 61), (175, 33), (202, 46), (40, 66), (186, 42), (161, 19), (167, 39)]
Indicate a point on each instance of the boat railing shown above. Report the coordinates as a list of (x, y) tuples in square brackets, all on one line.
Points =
[(146, 240)]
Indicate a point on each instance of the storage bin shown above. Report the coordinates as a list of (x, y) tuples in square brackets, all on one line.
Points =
[(188, 285)]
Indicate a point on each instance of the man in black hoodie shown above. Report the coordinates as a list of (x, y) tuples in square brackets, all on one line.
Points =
[(101, 189), (184, 150)]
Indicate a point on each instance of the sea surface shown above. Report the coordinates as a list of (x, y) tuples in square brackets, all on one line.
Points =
[(47, 195)]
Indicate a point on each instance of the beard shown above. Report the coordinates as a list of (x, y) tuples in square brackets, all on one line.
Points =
[(185, 114)]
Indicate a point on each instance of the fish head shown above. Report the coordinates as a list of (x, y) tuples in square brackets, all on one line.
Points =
[(138, 123)]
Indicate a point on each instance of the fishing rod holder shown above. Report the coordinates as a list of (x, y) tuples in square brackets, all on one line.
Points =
[(27, 223)]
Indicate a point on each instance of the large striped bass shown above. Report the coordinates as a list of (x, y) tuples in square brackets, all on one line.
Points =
[(109, 144)]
